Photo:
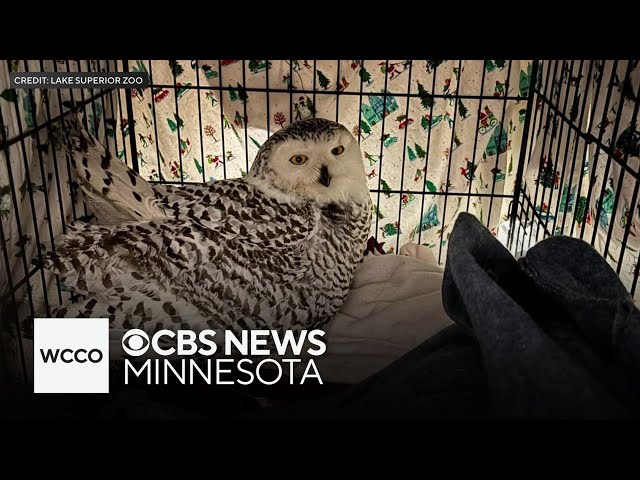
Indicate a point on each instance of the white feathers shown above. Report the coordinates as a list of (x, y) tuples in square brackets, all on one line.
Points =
[(278, 250), (114, 193), (288, 182)]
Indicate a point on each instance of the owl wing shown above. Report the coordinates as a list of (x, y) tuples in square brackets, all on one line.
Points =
[(114, 192), (148, 269), (234, 210)]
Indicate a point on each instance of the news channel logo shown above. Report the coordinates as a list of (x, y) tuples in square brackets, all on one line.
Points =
[(71, 355)]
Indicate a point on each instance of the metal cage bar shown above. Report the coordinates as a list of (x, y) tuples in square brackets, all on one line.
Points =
[(426, 161), (35, 135), (595, 159), (446, 185), (554, 115)]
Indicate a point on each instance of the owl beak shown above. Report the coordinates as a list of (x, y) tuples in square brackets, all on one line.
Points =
[(325, 178)]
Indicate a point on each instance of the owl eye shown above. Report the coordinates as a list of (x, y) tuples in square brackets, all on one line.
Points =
[(298, 159), (338, 150)]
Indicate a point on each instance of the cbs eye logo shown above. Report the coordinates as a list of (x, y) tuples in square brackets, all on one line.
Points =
[(135, 342)]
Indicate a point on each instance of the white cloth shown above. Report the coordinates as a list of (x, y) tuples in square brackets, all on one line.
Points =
[(394, 305)]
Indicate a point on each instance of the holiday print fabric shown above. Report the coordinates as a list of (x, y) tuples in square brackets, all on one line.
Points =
[(576, 186), (426, 128), (415, 148)]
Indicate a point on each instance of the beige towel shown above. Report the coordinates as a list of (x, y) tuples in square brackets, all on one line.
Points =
[(394, 305)]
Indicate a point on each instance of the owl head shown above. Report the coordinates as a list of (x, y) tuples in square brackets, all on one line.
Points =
[(313, 159)]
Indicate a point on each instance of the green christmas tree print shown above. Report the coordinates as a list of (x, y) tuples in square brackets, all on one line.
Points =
[(386, 189), (323, 80), (198, 166), (412, 154), (547, 174), (242, 93), (429, 219), (628, 142), (139, 67), (581, 210), (430, 186), (566, 202), (420, 151), (462, 109), (174, 125), (9, 95), (310, 106), (365, 75), (176, 68), (426, 100), (433, 64)]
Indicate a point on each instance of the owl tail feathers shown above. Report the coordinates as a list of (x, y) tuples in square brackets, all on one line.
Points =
[(114, 192), (104, 263)]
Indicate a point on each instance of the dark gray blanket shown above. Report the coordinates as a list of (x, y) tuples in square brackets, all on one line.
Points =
[(554, 335), (559, 333)]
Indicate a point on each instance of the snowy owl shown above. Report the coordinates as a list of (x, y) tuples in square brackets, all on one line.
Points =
[(274, 250)]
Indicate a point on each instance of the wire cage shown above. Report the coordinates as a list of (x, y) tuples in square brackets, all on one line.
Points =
[(580, 161), (532, 148)]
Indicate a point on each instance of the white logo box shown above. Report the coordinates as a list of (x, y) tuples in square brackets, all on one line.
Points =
[(80, 347)]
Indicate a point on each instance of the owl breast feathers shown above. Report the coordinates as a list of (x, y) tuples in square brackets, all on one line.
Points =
[(221, 255)]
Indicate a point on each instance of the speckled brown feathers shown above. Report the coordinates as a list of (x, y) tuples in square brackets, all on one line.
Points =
[(220, 255)]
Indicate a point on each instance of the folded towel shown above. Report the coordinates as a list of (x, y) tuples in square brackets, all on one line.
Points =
[(395, 304)]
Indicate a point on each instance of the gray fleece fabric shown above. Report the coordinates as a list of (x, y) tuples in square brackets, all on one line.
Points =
[(558, 332)]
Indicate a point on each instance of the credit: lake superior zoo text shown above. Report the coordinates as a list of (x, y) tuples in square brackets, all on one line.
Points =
[(57, 80)]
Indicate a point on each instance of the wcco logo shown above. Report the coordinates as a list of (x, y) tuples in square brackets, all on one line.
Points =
[(71, 355), (68, 356)]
